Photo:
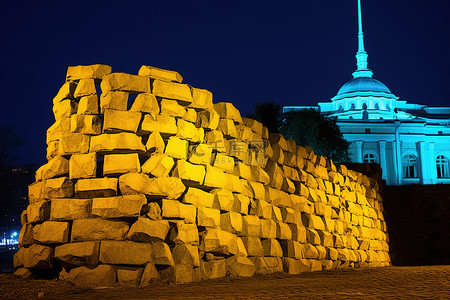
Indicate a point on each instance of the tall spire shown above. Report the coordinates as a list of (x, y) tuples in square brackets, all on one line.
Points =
[(361, 55)]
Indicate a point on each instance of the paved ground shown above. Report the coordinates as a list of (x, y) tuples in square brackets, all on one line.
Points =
[(425, 282)]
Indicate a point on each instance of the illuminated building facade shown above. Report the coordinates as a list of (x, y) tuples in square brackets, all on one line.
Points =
[(411, 142)]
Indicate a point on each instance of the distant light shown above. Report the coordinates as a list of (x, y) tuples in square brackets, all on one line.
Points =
[(14, 234)]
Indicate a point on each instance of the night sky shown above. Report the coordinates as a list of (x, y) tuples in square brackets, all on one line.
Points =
[(290, 52)]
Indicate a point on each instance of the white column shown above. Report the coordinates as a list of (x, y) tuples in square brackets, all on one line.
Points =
[(383, 164), (397, 153), (359, 151), (432, 163), (423, 163)]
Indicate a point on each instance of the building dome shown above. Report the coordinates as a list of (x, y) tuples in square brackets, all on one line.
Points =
[(363, 84)]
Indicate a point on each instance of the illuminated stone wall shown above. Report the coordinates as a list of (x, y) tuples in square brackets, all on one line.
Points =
[(147, 178)]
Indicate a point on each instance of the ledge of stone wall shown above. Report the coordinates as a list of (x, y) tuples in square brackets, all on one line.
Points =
[(151, 180)]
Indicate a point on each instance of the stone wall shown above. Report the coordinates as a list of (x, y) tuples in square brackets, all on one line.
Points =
[(149, 179)]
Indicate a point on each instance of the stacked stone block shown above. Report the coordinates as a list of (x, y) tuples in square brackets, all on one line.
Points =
[(147, 179)]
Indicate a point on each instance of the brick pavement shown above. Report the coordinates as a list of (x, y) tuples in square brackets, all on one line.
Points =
[(425, 282)]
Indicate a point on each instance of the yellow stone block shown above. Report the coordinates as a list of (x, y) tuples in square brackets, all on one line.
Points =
[(56, 167), (74, 143), (65, 92), (64, 109), (155, 143), (223, 199), (228, 128), (254, 125), (172, 90), (96, 187), (190, 174), (88, 105), (215, 177), (276, 214), (158, 165), (298, 233), (198, 198), (292, 249), (201, 155), (208, 217), (272, 248), (161, 74), (268, 229), (251, 226), (288, 186), (177, 148), (216, 140), (258, 174), (262, 209), (85, 87), (244, 133), (243, 171), (83, 72), (222, 242), (118, 121), (154, 188), (87, 124), (190, 115), (177, 210), (241, 203), (118, 207), (146, 103), (313, 221), (283, 231), (172, 108), (83, 166), (116, 164), (310, 251), (52, 149), (164, 124), (58, 129), (288, 215), (125, 82), (226, 110), (224, 162), (201, 98), (188, 131), (208, 119), (259, 191), (116, 143), (117, 100), (231, 222)]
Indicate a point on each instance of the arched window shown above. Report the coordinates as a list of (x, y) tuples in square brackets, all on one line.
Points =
[(364, 106), (409, 166), (377, 106), (369, 158), (442, 167), (352, 106)]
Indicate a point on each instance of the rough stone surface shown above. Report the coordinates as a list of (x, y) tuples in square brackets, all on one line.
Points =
[(125, 253), (78, 254), (98, 229), (99, 276), (118, 207), (147, 230)]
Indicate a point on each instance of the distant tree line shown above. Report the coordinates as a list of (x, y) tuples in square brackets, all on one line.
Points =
[(307, 127)]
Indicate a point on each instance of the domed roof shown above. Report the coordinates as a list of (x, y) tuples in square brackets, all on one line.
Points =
[(363, 84)]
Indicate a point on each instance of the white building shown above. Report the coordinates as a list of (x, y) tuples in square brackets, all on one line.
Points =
[(411, 142)]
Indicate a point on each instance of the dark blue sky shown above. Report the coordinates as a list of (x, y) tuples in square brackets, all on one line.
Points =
[(291, 52)]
